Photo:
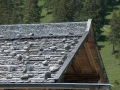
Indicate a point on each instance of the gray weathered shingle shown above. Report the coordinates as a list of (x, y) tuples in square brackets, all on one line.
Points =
[(36, 52)]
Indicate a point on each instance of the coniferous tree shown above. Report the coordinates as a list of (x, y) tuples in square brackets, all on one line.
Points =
[(10, 12), (31, 11), (114, 35), (94, 9), (64, 11)]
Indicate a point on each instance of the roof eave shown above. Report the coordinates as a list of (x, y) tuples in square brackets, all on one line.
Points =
[(56, 85)]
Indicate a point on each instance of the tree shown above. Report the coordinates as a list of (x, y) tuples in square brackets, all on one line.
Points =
[(64, 11), (94, 9), (10, 11), (31, 11), (114, 35)]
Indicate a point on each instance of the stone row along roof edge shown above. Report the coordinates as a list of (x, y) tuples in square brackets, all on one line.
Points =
[(43, 30)]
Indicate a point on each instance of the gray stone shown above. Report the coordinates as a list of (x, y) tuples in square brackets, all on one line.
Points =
[(9, 76), (73, 43), (13, 53), (63, 40), (18, 35), (60, 61), (41, 48), (64, 57), (19, 57), (47, 75), (53, 68), (26, 76), (45, 62), (27, 57), (62, 53), (67, 47), (26, 47), (53, 48), (31, 34), (47, 57)]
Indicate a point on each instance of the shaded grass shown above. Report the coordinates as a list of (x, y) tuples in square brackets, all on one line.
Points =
[(41, 2), (46, 16), (112, 65)]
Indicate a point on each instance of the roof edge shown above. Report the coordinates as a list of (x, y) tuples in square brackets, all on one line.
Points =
[(70, 58), (88, 24), (56, 85)]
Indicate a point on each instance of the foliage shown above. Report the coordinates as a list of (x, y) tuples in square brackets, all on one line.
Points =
[(64, 11), (96, 10), (10, 11), (31, 11), (114, 35)]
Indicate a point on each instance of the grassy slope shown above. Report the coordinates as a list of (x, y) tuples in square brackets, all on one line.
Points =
[(111, 64), (45, 17)]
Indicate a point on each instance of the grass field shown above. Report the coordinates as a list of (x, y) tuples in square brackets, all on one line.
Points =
[(112, 64), (46, 17)]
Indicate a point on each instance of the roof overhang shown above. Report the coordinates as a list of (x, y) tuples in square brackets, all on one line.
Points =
[(56, 85)]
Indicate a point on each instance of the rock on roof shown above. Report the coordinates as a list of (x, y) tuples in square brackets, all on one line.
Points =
[(35, 53)]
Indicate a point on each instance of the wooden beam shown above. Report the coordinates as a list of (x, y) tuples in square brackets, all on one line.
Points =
[(82, 78), (90, 57), (77, 63)]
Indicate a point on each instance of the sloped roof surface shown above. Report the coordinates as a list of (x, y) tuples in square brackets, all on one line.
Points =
[(34, 53)]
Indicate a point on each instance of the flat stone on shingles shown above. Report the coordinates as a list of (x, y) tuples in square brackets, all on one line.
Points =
[(18, 35), (26, 76), (47, 56), (53, 48), (26, 47), (19, 57), (9, 76), (53, 68), (31, 34), (13, 53), (45, 62), (67, 47), (47, 75), (60, 61)]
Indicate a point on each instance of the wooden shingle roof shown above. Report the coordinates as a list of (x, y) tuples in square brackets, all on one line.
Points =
[(39, 54)]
